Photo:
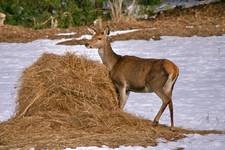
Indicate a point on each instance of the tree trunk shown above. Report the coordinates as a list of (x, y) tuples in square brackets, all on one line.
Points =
[(116, 8), (131, 9), (2, 19)]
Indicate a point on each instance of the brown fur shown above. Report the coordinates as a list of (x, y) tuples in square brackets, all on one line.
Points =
[(130, 73)]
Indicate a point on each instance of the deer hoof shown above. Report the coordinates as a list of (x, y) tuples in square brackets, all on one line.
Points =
[(172, 129), (155, 123)]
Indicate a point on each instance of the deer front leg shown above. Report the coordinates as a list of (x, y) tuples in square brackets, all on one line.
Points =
[(123, 96)]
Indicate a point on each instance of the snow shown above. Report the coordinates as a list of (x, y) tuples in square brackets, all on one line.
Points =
[(199, 94), (196, 142), (184, 3), (83, 37), (66, 34), (113, 33)]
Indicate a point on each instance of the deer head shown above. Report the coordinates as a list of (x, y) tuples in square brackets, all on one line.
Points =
[(99, 39)]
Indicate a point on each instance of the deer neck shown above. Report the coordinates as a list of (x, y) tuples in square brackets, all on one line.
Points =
[(108, 56)]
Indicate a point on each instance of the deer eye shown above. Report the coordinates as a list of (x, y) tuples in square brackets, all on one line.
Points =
[(99, 38)]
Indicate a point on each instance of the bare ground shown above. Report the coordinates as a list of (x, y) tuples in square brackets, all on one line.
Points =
[(20, 34)]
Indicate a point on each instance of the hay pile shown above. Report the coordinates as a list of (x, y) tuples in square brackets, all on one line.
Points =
[(69, 101), (65, 85)]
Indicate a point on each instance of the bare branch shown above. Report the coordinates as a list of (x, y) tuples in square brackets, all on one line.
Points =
[(116, 8)]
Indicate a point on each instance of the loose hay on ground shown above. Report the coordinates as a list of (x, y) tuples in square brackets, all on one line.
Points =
[(69, 101)]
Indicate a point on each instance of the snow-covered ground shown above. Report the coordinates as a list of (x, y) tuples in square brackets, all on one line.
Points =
[(199, 94), (66, 34), (122, 32), (170, 4)]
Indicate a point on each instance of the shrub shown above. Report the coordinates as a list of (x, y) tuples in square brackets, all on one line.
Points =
[(38, 14)]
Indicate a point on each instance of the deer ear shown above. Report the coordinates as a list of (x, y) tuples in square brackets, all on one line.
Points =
[(107, 31), (92, 30)]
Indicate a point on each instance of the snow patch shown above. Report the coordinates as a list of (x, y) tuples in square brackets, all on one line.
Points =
[(66, 34), (113, 33), (84, 37), (198, 96)]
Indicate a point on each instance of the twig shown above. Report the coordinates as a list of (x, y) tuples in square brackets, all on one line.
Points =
[(28, 107)]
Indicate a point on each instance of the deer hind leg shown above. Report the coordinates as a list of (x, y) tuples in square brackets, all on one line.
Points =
[(123, 96), (168, 88), (173, 72), (165, 101)]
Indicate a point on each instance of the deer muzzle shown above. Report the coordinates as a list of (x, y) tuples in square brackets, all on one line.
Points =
[(88, 45)]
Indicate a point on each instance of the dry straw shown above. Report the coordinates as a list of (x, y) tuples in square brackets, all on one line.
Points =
[(69, 101)]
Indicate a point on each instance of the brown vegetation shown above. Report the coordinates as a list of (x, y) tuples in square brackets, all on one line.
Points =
[(20, 34), (69, 101), (10, 33)]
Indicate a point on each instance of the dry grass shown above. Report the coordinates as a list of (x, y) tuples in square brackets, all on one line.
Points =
[(69, 101), (20, 34)]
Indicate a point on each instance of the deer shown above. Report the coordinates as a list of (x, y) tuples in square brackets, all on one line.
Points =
[(134, 74)]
